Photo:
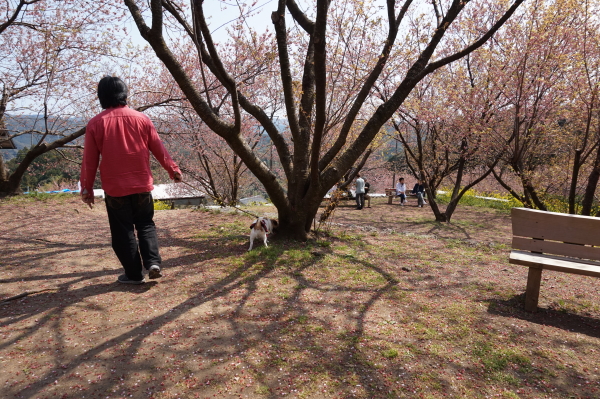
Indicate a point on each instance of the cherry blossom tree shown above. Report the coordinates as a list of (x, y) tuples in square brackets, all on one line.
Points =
[(317, 46), (534, 70), (582, 115), (206, 160), (442, 128), (14, 12), (47, 48)]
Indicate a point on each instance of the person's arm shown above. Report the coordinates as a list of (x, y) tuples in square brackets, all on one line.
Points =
[(162, 156), (89, 166)]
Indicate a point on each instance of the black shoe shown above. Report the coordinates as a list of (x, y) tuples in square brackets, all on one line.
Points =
[(154, 272), (123, 279)]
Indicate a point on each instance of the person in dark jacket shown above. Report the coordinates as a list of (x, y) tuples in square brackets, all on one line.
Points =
[(419, 191)]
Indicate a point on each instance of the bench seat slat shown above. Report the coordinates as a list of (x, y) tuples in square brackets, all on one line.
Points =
[(556, 248), (553, 226), (550, 262)]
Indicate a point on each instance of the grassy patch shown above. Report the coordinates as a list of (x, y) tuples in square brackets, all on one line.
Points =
[(390, 353), (496, 360), (497, 201), (35, 196)]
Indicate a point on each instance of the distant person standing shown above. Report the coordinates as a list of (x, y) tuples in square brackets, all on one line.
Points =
[(401, 190), (124, 138), (360, 192)]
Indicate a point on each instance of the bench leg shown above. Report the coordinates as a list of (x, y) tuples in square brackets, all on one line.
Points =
[(532, 293), (390, 199)]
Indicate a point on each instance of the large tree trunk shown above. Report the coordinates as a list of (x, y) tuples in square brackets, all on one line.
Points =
[(529, 191), (8, 187), (458, 193), (522, 198), (295, 222)]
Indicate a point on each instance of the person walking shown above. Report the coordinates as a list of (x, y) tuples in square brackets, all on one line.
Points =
[(124, 138), (360, 192)]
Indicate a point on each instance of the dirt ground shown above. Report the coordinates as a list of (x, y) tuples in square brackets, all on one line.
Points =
[(476, 225), (389, 304)]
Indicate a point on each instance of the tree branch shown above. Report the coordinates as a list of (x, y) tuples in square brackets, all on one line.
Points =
[(300, 17), (393, 23), (445, 61)]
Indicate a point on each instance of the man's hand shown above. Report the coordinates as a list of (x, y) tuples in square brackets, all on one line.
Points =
[(87, 198), (177, 177)]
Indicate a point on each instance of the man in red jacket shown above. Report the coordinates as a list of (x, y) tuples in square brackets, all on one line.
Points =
[(124, 138)]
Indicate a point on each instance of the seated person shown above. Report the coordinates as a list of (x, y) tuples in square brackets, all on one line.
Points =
[(401, 190), (419, 191)]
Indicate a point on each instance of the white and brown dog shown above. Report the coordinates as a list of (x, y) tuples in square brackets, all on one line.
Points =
[(260, 229)]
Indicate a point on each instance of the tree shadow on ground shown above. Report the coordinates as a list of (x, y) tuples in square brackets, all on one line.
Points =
[(573, 323), (247, 334)]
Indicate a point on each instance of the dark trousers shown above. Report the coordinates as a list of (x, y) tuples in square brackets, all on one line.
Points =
[(125, 214), (360, 200)]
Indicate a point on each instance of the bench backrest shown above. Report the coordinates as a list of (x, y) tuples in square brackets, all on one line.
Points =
[(556, 233)]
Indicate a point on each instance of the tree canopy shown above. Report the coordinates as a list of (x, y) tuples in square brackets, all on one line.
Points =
[(329, 62)]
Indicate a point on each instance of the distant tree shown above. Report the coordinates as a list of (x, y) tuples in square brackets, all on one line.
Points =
[(49, 69), (209, 163), (582, 118), (441, 141), (533, 65), (45, 54)]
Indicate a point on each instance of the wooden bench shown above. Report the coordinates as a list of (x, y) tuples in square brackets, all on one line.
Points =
[(390, 193), (553, 241)]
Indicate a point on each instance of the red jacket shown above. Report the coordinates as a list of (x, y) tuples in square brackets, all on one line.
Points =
[(123, 137)]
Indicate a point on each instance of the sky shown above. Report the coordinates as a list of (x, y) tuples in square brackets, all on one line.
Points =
[(223, 14)]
